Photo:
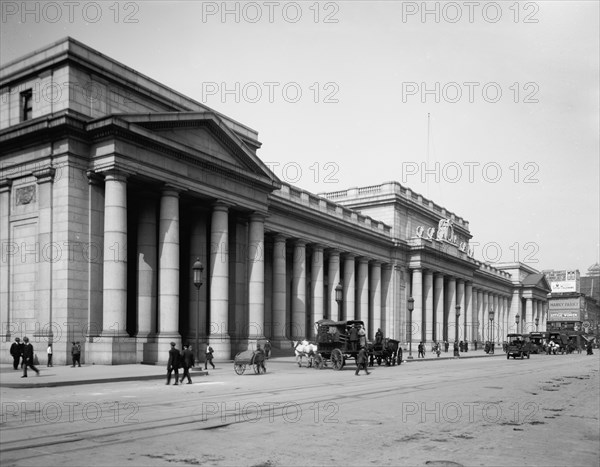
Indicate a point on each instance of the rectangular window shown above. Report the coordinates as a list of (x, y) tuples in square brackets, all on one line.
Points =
[(26, 105)]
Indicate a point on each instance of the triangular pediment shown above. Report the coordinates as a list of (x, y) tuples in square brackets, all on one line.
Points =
[(204, 135), (538, 281)]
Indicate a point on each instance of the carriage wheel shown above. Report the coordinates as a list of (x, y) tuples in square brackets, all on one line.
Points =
[(239, 368), (319, 362), (337, 359)]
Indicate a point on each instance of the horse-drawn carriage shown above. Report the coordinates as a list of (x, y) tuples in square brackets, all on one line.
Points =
[(334, 343), (254, 358), (385, 351)]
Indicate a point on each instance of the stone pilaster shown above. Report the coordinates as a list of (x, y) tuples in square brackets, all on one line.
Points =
[(450, 313), (460, 300), (468, 329), (362, 290), (417, 314), (5, 316)]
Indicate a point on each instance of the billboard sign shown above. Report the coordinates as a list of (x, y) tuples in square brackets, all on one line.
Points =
[(564, 309), (562, 281)]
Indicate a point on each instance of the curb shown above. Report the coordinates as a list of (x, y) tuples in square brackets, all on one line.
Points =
[(53, 384)]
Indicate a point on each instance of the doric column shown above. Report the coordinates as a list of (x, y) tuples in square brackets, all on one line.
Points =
[(114, 311), (485, 315), (460, 300), (427, 324), (515, 309), (280, 325), (375, 291), (317, 275), (438, 306), (95, 271), (348, 305), (299, 291), (387, 303), (333, 279), (256, 277), (5, 315), (527, 315), (507, 323), (468, 330), (450, 312), (43, 300), (168, 269), (417, 314), (220, 340), (362, 291), (496, 323), (480, 322), (147, 269)]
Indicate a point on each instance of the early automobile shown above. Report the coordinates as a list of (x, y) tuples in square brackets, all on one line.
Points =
[(519, 345)]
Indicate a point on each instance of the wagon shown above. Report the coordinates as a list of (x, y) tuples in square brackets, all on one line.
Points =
[(256, 359), (333, 343)]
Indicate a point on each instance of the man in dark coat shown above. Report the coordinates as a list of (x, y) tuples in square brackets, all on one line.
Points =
[(28, 358), (456, 353), (361, 361), (173, 364), (15, 352), (353, 338), (187, 361), (76, 354)]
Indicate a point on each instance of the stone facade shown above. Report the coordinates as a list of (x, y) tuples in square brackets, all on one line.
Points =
[(113, 185)]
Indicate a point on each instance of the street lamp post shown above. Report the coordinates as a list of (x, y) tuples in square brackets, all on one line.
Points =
[(492, 329), (411, 307), (338, 298), (537, 322), (517, 322), (197, 270)]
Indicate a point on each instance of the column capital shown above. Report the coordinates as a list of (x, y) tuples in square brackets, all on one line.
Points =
[(363, 259), (94, 178), (317, 246), (116, 174), (333, 251), (221, 205), (376, 262), (349, 255), (44, 175), (170, 190), (300, 242), (257, 216), (280, 237)]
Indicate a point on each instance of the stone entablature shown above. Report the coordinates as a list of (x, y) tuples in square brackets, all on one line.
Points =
[(325, 206)]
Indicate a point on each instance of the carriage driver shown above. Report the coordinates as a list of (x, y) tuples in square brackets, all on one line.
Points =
[(354, 338)]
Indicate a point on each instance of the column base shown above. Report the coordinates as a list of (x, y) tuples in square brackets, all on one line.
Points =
[(111, 350)]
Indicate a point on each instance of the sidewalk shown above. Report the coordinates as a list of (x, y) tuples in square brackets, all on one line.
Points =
[(64, 375)]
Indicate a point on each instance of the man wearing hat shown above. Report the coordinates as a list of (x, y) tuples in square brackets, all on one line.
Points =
[(187, 361), (173, 364), (28, 358), (76, 354), (15, 351)]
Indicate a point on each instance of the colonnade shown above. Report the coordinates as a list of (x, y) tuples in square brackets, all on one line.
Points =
[(437, 298)]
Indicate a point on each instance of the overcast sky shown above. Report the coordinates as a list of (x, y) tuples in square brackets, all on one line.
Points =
[(340, 93)]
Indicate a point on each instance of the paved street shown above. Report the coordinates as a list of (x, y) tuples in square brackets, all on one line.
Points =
[(472, 411)]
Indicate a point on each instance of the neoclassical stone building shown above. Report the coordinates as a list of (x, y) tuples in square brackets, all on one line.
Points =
[(112, 185)]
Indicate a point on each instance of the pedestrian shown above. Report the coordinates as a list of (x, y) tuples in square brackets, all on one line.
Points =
[(475, 344), (353, 338), (173, 364), (466, 346), (438, 349), (379, 336), (76, 354), (49, 351), (456, 353), (208, 357), (267, 350), (589, 348), (446, 346), (362, 336), (461, 346), (16, 352), (421, 349), (361, 361), (28, 358), (187, 361)]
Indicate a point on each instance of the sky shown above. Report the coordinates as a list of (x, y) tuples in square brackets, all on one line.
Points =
[(490, 109)]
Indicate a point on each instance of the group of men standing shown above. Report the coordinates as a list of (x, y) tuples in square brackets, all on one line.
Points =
[(185, 360), (22, 352)]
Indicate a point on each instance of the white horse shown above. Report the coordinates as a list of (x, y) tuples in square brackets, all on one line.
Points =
[(304, 349)]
